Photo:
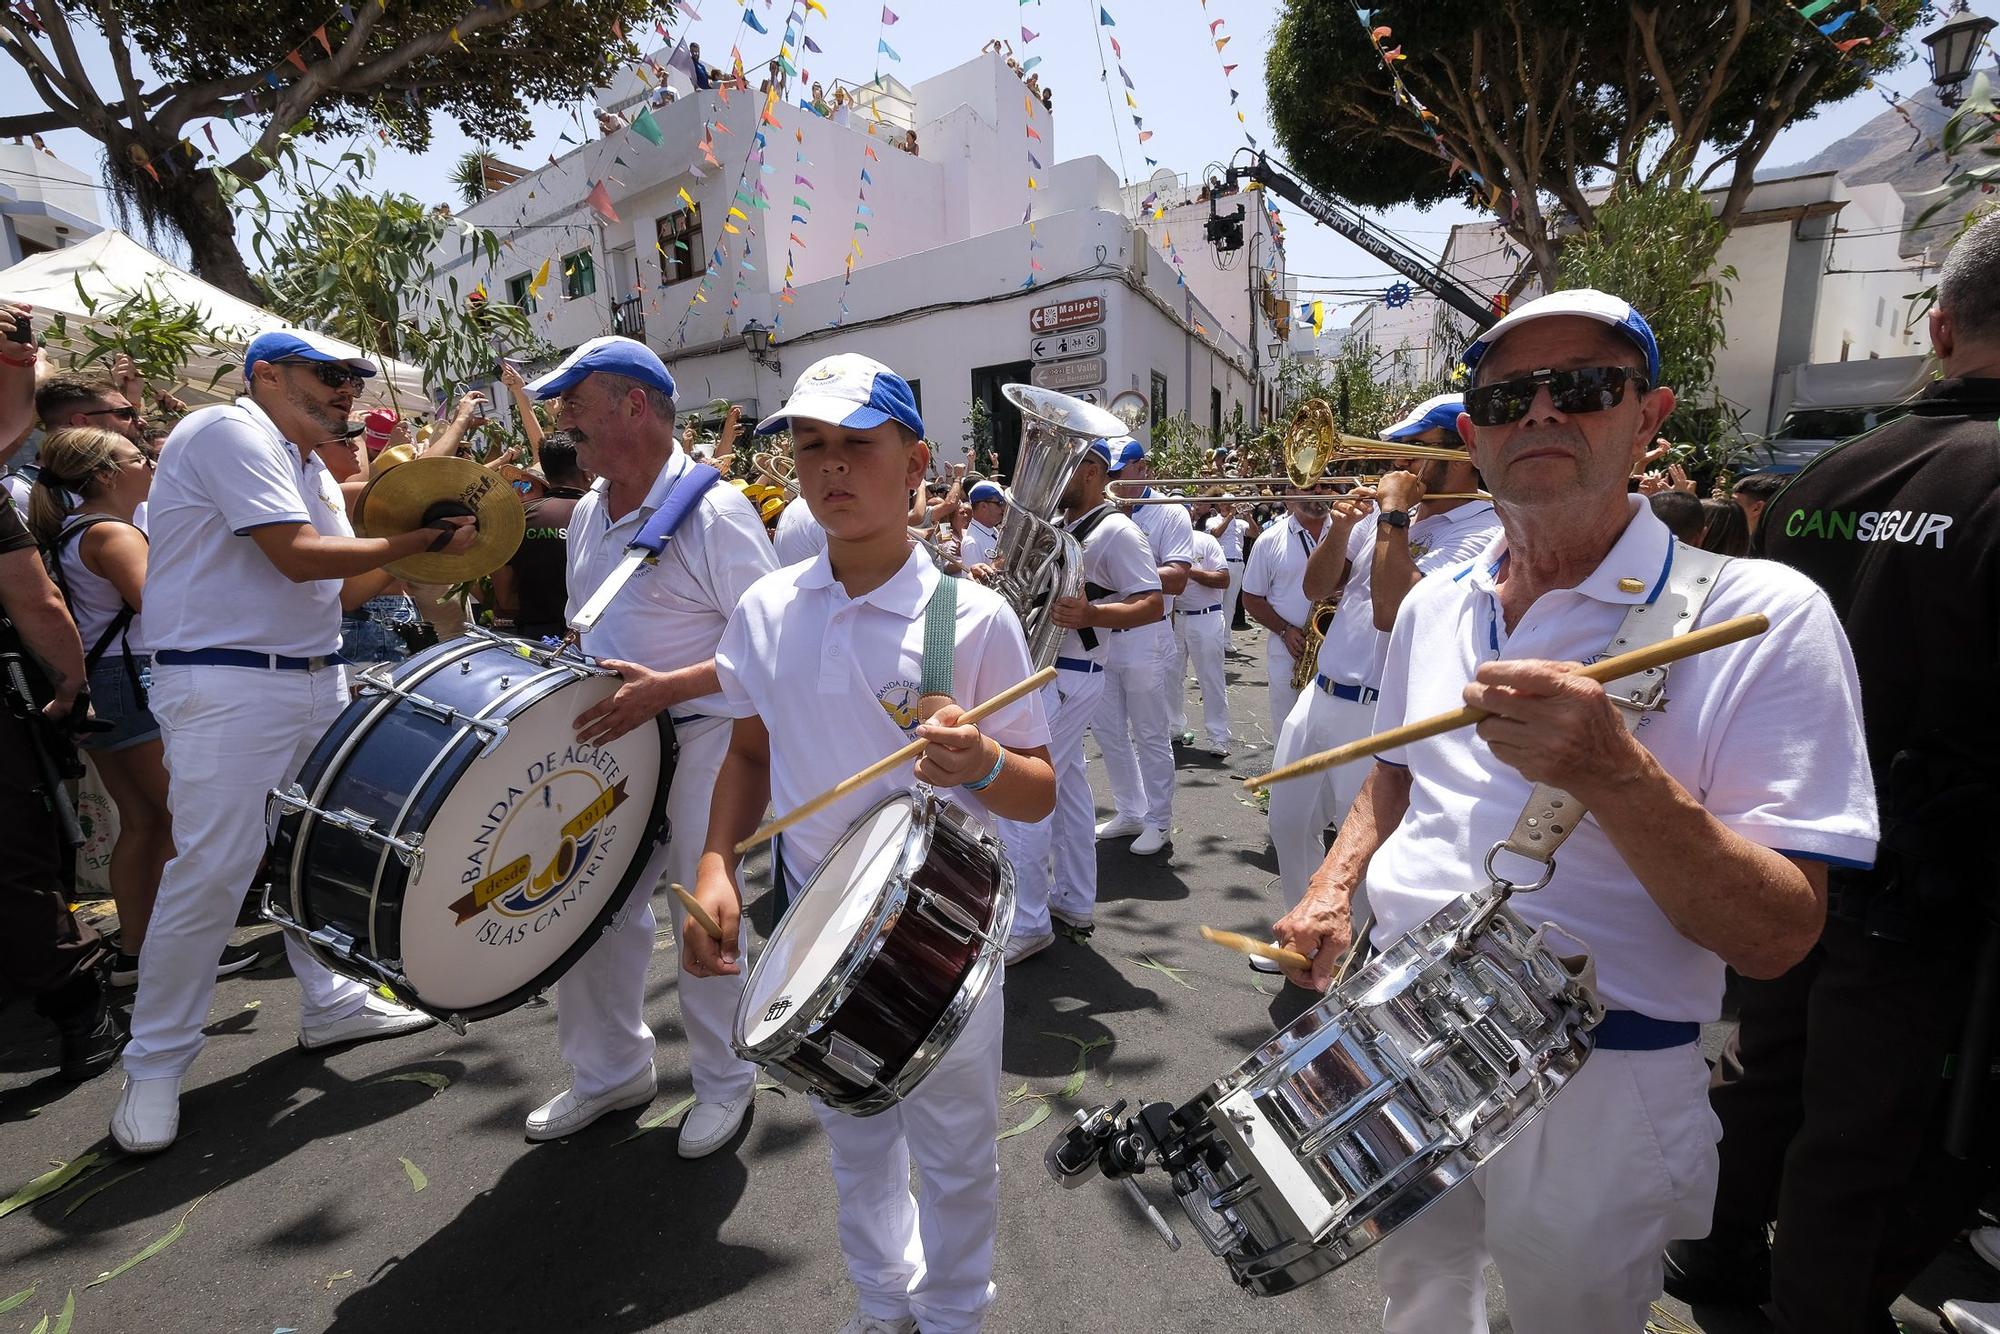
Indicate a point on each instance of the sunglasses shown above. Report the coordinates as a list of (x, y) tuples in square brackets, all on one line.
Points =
[(1586, 389), (122, 414), (331, 373)]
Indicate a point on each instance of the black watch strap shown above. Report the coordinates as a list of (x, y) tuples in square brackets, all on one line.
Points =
[(1396, 518)]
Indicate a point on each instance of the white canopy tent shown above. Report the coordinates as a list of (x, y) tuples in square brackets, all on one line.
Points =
[(111, 266)]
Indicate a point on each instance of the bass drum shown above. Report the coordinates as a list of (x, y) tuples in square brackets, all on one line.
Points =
[(450, 838)]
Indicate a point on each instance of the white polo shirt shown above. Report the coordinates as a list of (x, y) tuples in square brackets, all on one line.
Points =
[(223, 472), (976, 547), (798, 535), (1207, 556), (1169, 531), (1765, 733), (1277, 571), (1230, 531), (1115, 556), (1353, 650), (672, 615), (837, 679)]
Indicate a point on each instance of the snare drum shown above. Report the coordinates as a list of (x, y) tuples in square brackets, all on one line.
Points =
[(882, 957), (451, 838)]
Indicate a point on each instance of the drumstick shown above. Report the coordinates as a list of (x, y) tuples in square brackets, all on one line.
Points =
[(697, 912), (891, 761), (1610, 669), (1243, 944)]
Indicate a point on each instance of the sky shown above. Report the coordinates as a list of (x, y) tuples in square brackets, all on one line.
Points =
[(1177, 80)]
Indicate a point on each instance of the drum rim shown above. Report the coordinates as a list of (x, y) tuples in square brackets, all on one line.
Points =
[(832, 991)]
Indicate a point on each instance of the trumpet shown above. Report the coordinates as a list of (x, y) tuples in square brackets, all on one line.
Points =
[(1259, 498)]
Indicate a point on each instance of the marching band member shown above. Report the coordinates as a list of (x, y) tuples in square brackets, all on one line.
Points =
[(1132, 718), (1705, 846), (1228, 526), (249, 547), (989, 506), (660, 636), (820, 665), (1372, 560), (1274, 595), (1201, 632)]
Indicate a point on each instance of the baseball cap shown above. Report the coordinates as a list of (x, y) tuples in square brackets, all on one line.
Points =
[(612, 354), (301, 345), (1587, 302), (848, 390), (1102, 451), (380, 425), (985, 491), (1124, 450), (1433, 414)]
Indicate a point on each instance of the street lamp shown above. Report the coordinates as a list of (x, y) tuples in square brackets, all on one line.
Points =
[(757, 341), (1954, 50)]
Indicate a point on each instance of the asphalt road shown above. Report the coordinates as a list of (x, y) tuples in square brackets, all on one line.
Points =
[(291, 1200)]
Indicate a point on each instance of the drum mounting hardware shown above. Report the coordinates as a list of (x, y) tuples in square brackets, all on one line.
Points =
[(293, 800), (492, 729)]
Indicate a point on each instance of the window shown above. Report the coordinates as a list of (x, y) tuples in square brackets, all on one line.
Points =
[(1159, 409), (1881, 311), (1215, 415), (917, 395), (679, 237), (579, 275), (518, 293)]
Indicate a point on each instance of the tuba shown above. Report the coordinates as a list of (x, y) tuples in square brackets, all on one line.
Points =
[(1038, 561)]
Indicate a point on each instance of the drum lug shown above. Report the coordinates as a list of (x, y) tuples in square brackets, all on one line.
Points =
[(953, 920), (852, 1059), (492, 729), (333, 940)]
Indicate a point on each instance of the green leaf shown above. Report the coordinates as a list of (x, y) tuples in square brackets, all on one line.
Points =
[(1035, 1118), (152, 1249), (436, 1082), (418, 1181), (18, 1298), (104, 1185), (659, 1118), (68, 1314), (1148, 961), (48, 1183)]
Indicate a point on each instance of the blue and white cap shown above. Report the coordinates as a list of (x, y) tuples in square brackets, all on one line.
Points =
[(1124, 450), (1587, 302), (1103, 451), (614, 356), (301, 345), (1433, 414), (848, 389), (982, 491)]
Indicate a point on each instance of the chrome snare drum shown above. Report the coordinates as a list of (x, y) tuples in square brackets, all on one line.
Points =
[(450, 838), (1346, 1124)]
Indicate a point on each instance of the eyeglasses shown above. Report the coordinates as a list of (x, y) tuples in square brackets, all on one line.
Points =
[(1586, 389), (125, 414), (331, 373), (137, 460)]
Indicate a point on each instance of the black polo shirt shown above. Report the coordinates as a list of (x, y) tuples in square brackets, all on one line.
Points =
[(541, 564), (1901, 527)]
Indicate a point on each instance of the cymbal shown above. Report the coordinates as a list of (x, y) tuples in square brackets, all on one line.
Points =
[(409, 496)]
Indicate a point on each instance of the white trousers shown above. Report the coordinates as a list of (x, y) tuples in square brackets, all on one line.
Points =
[(1066, 842), (1131, 727), (601, 1002), (231, 735), (1302, 808), (1200, 640), (930, 1257), (1278, 669), (1575, 1211), (1230, 598)]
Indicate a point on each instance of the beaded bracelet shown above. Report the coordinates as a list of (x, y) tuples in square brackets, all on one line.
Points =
[(999, 763)]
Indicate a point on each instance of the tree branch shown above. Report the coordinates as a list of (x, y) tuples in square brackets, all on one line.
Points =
[(1645, 21), (56, 23), (121, 60), (28, 54)]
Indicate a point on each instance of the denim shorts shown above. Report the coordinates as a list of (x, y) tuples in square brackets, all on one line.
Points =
[(113, 700), (365, 635)]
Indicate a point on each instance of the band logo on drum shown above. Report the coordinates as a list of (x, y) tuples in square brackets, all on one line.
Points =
[(778, 1010), (558, 826)]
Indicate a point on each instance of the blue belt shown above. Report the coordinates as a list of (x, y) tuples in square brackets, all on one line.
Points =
[(1203, 612), (242, 657), (1339, 690), (684, 719), (1083, 665), (1628, 1030)]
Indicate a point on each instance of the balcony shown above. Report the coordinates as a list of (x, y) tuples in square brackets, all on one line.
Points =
[(628, 318)]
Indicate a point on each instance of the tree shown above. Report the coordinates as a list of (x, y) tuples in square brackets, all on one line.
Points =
[(468, 177), (1544, 98), (281, 66)]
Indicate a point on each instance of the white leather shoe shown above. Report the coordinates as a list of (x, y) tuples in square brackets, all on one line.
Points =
[(148, 1114), (1972, 1317), (1020, 947), (1082, 921), (1120, 826), (1986, 1243), (875, 1324), (565, 1114), (708, 1126), (1151, 841), (377, 1018)]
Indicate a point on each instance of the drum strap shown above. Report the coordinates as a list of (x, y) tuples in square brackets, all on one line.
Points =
[(1552, 814), (940, 636)]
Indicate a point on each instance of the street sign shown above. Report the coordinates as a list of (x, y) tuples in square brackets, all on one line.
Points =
[(1076, 343), (1069, 375), (1072, 314)]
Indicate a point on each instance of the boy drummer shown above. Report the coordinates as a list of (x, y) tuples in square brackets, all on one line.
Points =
[(821, 666)]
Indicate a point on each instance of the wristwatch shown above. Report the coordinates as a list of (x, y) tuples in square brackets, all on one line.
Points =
[(1396, 518)]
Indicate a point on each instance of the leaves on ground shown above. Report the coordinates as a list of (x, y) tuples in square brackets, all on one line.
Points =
[(49, 1182), (436, 1082), (9, 1303), (1084, 1046), (253, 1005), (332, 1279), (153, 1248), (659, 1118), (1074, 934), (1035, 1118), (1148, 961), (64, 1317), (416, 1175), (86, 1197)]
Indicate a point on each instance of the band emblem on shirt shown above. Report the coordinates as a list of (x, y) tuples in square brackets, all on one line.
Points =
[(899, 700)]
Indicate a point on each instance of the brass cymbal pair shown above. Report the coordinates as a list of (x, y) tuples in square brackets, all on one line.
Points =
[(410, 495)]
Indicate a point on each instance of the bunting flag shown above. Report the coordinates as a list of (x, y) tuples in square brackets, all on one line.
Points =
[(756, 24), (1104, 18), (599, 200), (883, 48), (646, 127), (888, 16), (1318, 317)]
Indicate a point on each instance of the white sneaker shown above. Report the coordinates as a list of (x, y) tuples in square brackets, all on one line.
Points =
[(1151, 841), (875, 1324), (148, 1114), (708, 1125), (1986, 1241), (565, 1114), (1972, 1317), (1020, 947), (1121, 826), (1259, 964), (1082, 921), (1220, 749), (377, 1018)]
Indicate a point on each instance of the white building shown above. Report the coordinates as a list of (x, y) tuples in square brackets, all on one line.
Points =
[(45, 204), (941, 257)]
